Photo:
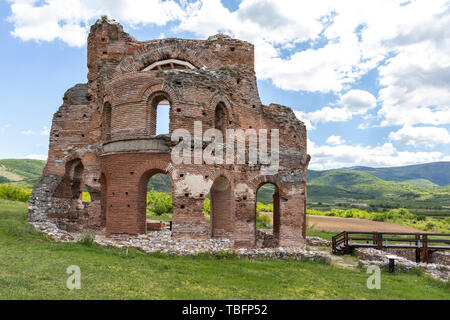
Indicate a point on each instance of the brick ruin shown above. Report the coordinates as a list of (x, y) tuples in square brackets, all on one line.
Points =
[(103, 139)]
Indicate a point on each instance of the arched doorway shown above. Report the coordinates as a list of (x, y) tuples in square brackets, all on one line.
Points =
[(73, 180), (221, 118), (159, 114), (267, 212), (155, 200), (222, 208)]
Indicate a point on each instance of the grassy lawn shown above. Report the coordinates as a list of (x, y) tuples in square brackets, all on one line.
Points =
[(327, 235), (33, 267)]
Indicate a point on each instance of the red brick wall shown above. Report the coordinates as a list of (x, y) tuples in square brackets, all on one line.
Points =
[(118, 104)]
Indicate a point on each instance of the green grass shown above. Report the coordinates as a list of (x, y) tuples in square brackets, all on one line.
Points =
[(167, 217), (327, 235), (33, 267)]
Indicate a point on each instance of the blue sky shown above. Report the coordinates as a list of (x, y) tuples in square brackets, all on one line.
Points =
[(370, 80)]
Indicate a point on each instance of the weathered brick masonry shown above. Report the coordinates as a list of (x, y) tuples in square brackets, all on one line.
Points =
[(103, 138)]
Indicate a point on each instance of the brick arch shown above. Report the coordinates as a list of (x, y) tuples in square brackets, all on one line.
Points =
[(219, 98), (162, 166), (152, 88), (151, 53), (276, 207), (107, 99), (152, 92), (226, 174), (145, 172), (71, 183), (88, 158), (261, 180), (222, 208)]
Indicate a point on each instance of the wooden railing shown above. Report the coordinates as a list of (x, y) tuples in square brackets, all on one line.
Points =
[(423, 243)]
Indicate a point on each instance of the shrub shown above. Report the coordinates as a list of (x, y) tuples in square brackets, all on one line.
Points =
[(87, 239), (163, 205), (207, 207), (261, 207), (429, 226), (348, 214), (15, 193), (263, 221), (159, 203), (379, 217)]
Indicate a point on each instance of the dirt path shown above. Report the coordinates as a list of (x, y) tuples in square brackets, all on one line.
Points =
[(349, 224)]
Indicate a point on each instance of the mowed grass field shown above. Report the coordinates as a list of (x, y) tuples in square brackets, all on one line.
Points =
[(34, 267)]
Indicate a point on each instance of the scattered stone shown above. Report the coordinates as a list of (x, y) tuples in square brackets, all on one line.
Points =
[(161, 241), (371, 256), (317, 242)]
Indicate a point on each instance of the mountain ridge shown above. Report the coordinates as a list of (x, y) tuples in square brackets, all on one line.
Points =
[(435, 172)]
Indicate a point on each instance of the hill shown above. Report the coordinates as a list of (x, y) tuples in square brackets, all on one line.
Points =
[(21, 172), (160, 182), (341, 185), (332, 186), (436, 172)]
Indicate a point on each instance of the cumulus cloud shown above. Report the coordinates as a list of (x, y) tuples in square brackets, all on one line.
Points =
[(335, 140), (416, 136), (416, 86), (328, 114), (358, 101), (321, 46), (69, 21), (407, 41), (36, 156), (304, 118), (386, 155), (354, 102)]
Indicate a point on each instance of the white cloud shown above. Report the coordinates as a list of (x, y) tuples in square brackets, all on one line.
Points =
[(303, 117), (335, 140), (328, 114), (416, 136), (45, 131), (386, 155), (358, 101), (69, 20), (36, 156), (331, 45), (354, 102), (348, 39), (28, 132), (417, 85)]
